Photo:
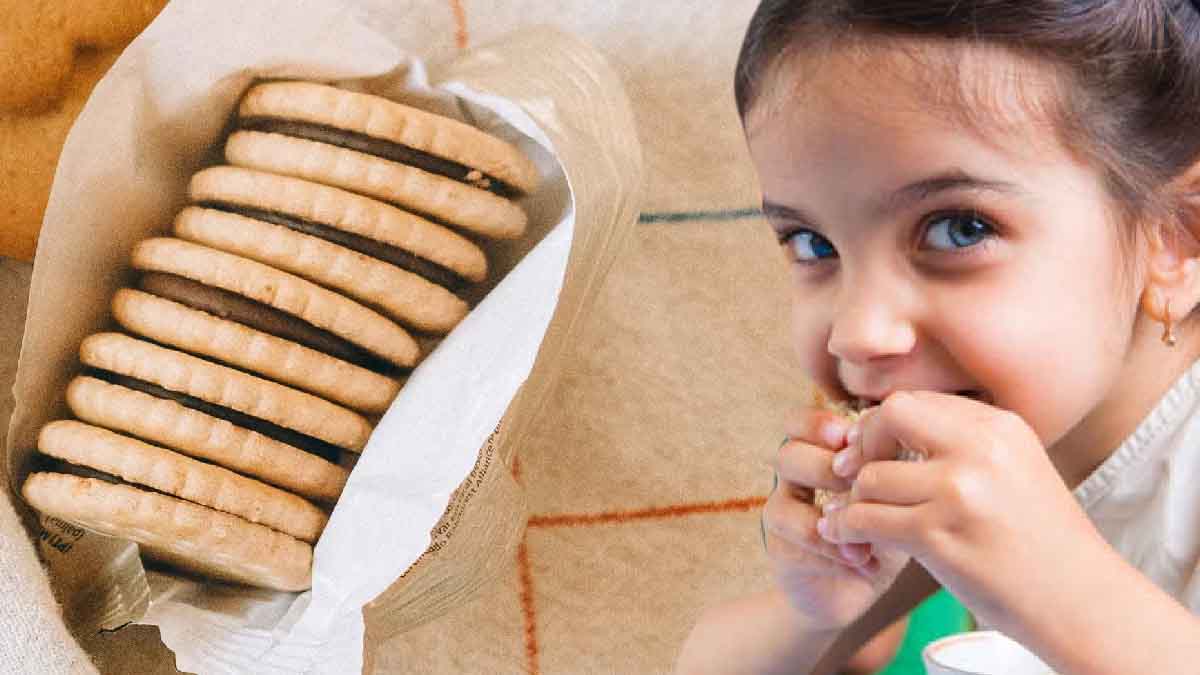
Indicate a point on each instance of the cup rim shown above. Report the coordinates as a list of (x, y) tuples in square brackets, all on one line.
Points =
[(929, 654)]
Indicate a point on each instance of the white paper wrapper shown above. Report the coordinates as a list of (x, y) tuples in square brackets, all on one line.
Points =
[(152, 122)]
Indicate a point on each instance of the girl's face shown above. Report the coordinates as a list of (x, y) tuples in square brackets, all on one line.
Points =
[(928, 252)]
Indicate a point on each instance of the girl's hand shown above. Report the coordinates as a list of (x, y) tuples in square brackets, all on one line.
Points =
[(829, 584), (986, 513)]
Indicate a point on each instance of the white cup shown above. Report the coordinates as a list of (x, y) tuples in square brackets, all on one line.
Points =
[(985, 652)]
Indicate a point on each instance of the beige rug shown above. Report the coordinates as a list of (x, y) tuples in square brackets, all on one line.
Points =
[(645, 480)]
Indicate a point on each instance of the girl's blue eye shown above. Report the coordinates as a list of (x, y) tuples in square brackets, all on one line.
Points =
[(962, 230), (807, 239)]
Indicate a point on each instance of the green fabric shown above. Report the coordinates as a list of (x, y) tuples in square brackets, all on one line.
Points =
[(941, 614)]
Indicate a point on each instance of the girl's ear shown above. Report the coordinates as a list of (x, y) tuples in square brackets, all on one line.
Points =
[(1172, 254), (1186, 187), (1172, 266)]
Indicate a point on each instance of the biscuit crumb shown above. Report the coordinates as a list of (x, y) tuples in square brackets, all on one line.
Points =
[(476, 178)]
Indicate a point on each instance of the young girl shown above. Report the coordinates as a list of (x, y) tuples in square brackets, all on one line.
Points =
[(991, 211)]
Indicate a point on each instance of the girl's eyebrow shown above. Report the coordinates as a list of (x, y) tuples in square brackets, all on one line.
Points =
[(783, 217), (905, 197), (952, 180)]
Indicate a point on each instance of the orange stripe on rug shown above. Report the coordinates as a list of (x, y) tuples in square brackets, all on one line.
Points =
[(673, 511), (528, 611), (461, 37)]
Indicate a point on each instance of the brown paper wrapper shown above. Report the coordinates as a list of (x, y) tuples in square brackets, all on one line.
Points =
[(558, 59)]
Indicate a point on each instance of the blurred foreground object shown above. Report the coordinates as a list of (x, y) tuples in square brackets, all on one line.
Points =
[(52, 53)]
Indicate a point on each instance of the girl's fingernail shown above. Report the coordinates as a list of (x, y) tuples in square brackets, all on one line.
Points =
[(832, 434), (832, 505), (854, 554), (823, 528), (841, 463), (853, 435)]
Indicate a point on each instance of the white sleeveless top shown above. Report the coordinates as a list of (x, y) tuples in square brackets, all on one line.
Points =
[(1145, 498)]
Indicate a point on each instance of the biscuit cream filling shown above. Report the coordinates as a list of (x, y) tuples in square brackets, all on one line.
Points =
[(44, 463), (429, 270), (381, 148), (264, 318), (48, 464), (316, 446)]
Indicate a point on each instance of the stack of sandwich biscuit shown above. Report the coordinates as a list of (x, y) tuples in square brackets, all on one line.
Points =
[(274, 325)]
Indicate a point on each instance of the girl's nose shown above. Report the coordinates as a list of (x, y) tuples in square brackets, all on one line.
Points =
[(870, 324)]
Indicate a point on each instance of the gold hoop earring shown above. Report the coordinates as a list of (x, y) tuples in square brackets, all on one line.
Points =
[(1168, 337)]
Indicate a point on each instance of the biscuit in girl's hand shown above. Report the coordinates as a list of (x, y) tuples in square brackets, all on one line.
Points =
[(852, 410)]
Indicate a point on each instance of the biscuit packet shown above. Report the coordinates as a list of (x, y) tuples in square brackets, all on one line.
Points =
[(431, 510)]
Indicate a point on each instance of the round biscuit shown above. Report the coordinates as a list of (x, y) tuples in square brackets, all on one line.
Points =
[(343, 210), (198, 332), (176, 474), (319, 306), (175, 426), (448, 200), (226, 387), (402, 295), (383, 118), (189, 535)]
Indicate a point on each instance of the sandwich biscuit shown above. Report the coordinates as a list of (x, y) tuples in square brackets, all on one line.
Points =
[(288, 293), (263, 318), (191, 377), (171, 424), (404, 296), (852, 411), (198, 332), (175, 531), (162, 470), (466, 153), (446, 200), (366, 225)]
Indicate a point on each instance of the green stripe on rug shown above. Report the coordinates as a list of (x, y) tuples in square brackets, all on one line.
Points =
[(693, 216)]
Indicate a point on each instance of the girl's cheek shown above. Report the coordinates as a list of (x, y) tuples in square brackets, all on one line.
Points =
[(806, 333)]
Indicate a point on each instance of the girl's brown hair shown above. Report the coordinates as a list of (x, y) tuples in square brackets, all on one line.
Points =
[(1132, 104)]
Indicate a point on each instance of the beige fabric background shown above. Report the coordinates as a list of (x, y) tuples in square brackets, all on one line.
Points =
[(646, 477)]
